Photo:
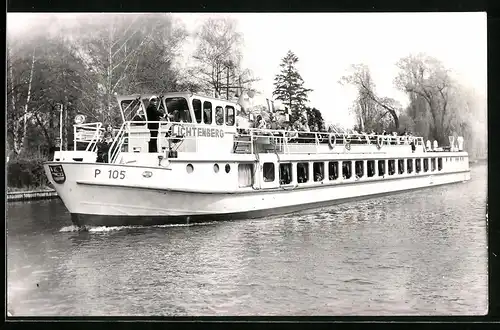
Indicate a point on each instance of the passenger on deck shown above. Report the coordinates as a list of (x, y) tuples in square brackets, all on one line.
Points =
[(219, 117), (104, 145), (153, 115), (184, 115), (260, 123), (139, 116)]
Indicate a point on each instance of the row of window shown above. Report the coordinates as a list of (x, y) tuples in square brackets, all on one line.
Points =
[(178, 108), (285, 171), (207, 115)]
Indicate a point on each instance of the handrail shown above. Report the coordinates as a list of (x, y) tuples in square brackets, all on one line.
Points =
[(93, 128), (281, 139), (113, 150)]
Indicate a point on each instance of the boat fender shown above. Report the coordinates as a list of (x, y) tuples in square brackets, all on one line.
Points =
[(347, 145), (330, 143), (379, 142)]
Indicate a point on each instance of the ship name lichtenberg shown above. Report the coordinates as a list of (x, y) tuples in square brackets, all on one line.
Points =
[(198, 131)]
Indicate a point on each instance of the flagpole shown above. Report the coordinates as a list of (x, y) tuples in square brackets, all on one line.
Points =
[(60, 127)]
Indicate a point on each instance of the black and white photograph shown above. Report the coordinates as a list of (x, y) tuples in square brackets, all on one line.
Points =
[(246, 164)]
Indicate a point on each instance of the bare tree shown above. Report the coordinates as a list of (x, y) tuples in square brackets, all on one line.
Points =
[(19, 88), (218, 58), (360, 78), (118, 54)]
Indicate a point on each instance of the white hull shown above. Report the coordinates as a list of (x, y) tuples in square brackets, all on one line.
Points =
[(105, 202)]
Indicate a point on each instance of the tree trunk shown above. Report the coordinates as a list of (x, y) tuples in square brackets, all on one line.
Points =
[(25, 115), (15, 147)]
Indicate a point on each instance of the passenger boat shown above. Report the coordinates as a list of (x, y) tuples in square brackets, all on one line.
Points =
[(209, 167)]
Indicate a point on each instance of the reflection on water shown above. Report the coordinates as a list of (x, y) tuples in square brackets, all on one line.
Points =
[(415, 253)]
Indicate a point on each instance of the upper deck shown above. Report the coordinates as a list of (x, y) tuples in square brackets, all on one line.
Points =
[(196, 124)]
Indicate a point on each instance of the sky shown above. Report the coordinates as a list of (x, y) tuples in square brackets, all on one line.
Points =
[(327, 44)]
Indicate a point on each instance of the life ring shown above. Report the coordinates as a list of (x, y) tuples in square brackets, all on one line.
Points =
[(330, 143), (379, 142), (347, 145)]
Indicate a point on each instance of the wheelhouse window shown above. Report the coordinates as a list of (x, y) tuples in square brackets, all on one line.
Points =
[(440, 164), (417, 165), (207, 112), (285, 173), (381, 167), (197, 110), (426, 164), (370, 167), (318, 171), (333, 170), (178, 109), (245, 175), (401, 166), (268, 172), (392, 166), (133, 110), (346, 169), (433, 164), (409, 165), (302, 172), (229, 115), (219, 115), (359, 170)]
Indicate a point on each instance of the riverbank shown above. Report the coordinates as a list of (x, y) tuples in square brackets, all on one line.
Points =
[(23, 194)]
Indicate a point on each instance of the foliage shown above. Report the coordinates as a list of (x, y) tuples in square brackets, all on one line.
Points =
[(83, 70), (371, 110), (440, 106), (426, 81), (289, 86), (314, 119), (24, 171)]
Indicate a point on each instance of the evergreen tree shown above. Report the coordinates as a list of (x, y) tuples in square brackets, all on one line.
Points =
[(289, 86), (314, 119)]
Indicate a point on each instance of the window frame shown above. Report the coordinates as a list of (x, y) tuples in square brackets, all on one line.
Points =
[(211, 113), (228, 117), (307, 179), (368, 162), (322, 170), (335, 170), (217, 108), (290, 168), (196, 110), (348, 169), (264, 172)]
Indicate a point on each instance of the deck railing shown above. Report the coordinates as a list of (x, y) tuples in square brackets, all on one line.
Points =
[(88, 133), (284, 139), (281, 141)]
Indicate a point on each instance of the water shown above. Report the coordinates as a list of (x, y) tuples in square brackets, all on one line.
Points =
[(415, 253)]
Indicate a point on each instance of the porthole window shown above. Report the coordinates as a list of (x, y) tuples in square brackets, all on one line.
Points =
[(189, 168), (228, 168), (216, 168)]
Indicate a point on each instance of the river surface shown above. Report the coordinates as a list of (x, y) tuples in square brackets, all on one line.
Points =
[(415, 253)]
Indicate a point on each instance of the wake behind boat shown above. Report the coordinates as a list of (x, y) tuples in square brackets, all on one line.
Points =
[(203, 162)]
